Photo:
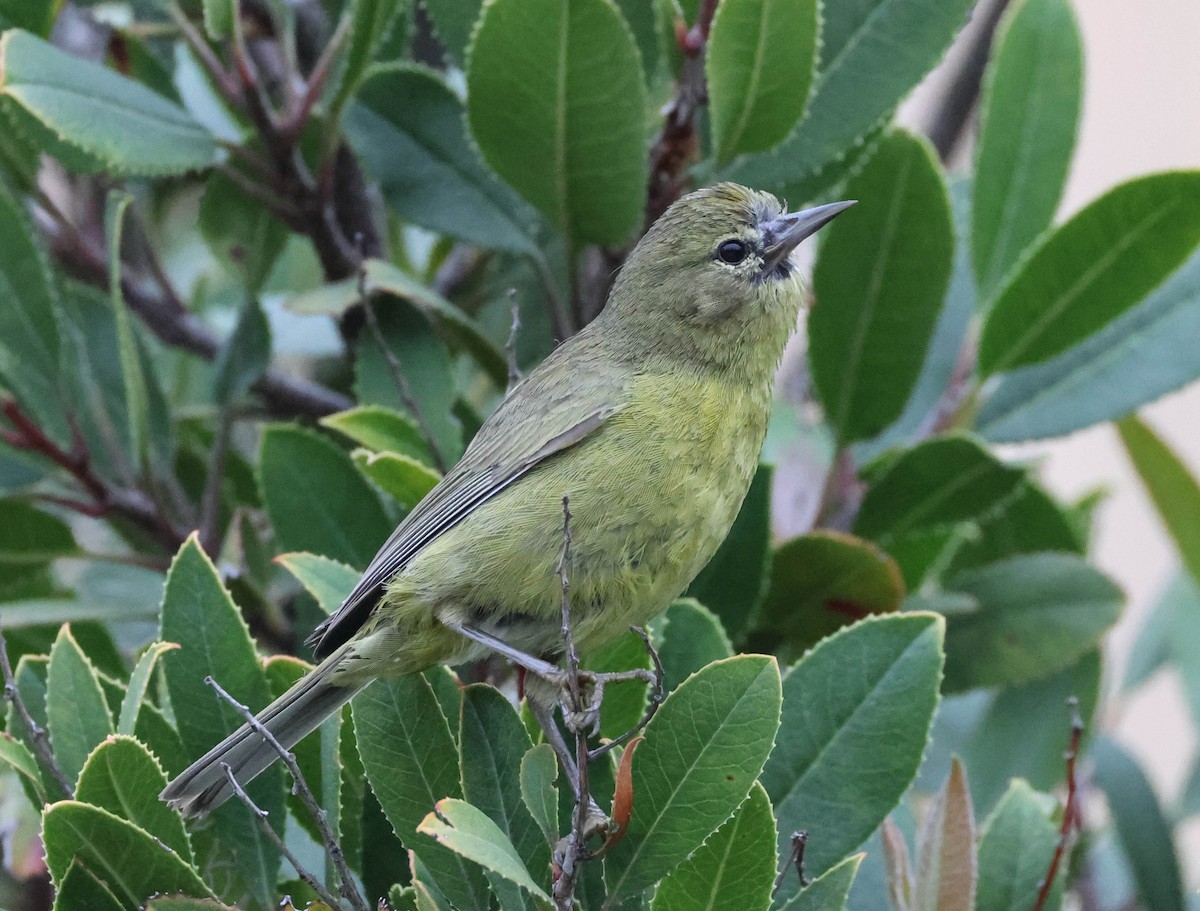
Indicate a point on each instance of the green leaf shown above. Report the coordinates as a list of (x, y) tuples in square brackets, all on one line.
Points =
[(402, 477), (493, 744), (453, 21), (759, 64), (28, 535), (1025, 730), (1141, 827), (693, 637), (198, 613), (36, 16), (408, 752), (834, 722), (93, 111), (1173, 490), (828, 891), (941, 482), (240, 231), (1031, 616), (122, 777), (219, 17), (81, 888), (733, 870), (1027, 522), (880, 285), (1094, 268), (371, 22), (139, 682), (245, 356), (823, 581), (75, 705), (624, 702), (467, 831), (1153, 646), (17, 756), (556, 101), (137, 406), (701, 754), (1138, 357), (862, 75), (180, 903), (409, 130), (539, 770), (126, 858), (946, 865), (732, 582), (316, 499), (424, 360), (29, 333), (329, 581), (1029, 114), (382, 430), (1015, 848)]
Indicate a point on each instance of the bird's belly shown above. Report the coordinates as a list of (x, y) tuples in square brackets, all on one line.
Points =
[(651, 498)]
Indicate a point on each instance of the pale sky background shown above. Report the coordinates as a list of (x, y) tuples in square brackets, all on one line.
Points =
[(1141, 114)]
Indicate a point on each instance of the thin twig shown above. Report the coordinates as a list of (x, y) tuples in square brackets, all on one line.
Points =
[(293, 126), (1070, 819), (510, 348), (264, 823), (795, 862), (657, 695), (225, 83), (301, 789), (396, 369), (37, 733)]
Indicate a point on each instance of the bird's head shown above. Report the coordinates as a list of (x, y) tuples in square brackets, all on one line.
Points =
[(713, 278)]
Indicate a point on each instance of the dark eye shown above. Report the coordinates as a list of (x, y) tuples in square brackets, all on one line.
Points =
[(732, 252)]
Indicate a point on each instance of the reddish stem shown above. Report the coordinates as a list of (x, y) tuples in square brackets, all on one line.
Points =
[(1070, 820)]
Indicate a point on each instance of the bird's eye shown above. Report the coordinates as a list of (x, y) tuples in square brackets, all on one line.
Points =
[(732, 252)]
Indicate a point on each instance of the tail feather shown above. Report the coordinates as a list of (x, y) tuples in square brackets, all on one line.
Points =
[(204, 785)]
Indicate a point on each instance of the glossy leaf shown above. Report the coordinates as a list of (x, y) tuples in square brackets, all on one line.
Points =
[(946, 864), (405, 743), (75, 705), (692, 638), (137, 396), (880, 285), (1138, 357), (576, 151), (1097, 266), (408, 128), (93, 111), (759, 64), (18, 757), (198, 613), (139, 682), (862, 75), (329, 581), (81, 888), (467, 831), (316, 499), (701, 754), (823, 581), (833, 721), (123, 856), (539, 770), (403, 477), (733, 870), (941, 482), (1172, 488), (828, 891), (1017, 842), (122, 777), (28, 535), (382, 430), (240, 231), (1032, 615), (733, 581), (245, 356), (371, 22), (1029, 115), (453, 21), (1028, 521)]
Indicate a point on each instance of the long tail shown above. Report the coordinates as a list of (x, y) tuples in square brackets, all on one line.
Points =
[(204, 785)]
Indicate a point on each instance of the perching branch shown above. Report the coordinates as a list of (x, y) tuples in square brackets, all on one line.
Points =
[(37, 733), (300, 788), (510, 349), (1071, 820)]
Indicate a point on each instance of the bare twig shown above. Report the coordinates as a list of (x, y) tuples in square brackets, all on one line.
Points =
[(953, 111), (657, 694), (37, 733), (1071, 820), (317, 79), (264, 823), (301, 789), (396, 369), (510, 348), (795, 861)]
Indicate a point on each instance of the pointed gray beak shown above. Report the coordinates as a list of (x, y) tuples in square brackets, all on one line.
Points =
[(782, 234)]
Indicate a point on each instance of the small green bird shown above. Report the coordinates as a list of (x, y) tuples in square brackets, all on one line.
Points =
[(650, 420)]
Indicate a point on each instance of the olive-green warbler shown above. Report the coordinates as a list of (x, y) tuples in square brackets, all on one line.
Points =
[(650, 420)]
